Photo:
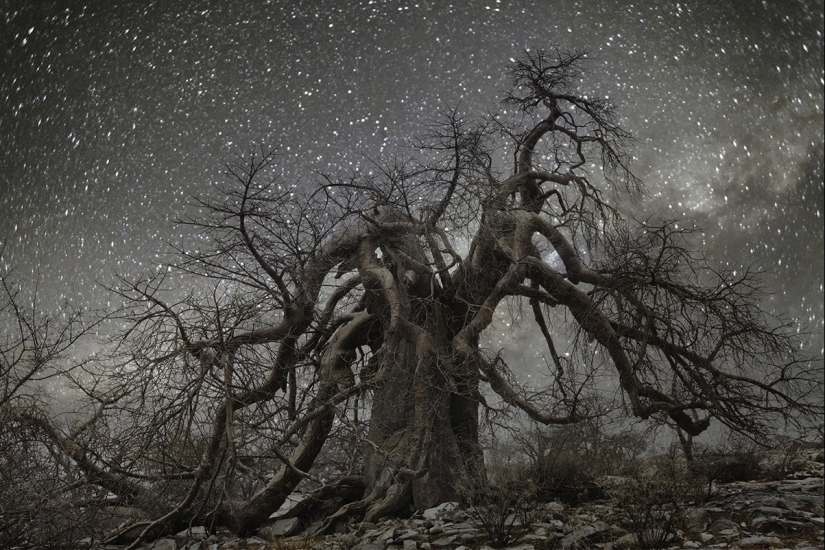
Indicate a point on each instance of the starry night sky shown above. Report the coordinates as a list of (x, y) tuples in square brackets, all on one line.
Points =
[(113, 112)]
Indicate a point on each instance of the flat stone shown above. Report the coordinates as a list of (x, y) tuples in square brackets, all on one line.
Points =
[(440, 511), (281, 528), (197, 533), (759, 542), (779, 525), (768, 511), (410, 545), (723, 525), (388, 535), (470, 536), (591, 532), (163, 544), (410, 534), (444, 541), (697, 520)]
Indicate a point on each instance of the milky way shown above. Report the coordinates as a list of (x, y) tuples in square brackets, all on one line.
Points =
[(113, 113)]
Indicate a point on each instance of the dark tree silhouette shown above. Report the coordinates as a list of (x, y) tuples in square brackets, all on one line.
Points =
[(335, 334)]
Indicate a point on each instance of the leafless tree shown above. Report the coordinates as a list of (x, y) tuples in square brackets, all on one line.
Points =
[(352, 315), (45, 498)]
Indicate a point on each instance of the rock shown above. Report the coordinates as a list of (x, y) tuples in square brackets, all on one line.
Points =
[(444, 541), (706, 537), (163, 544), (281, 528), (387, 535), (442, 510), (410, 545), (411, 535), (595, 532), (195, 534), (697, 520), (471, 536), (759, 542), (723, 525), (768, 511), (777, 525)]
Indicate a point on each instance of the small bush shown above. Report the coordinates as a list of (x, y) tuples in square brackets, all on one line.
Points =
[(506, 507), (655, 500), (564, 461)]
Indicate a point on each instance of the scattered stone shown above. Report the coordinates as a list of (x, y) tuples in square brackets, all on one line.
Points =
[(767, 514), (440, 511)]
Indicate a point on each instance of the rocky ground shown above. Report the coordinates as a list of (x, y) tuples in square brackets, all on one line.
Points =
[(744, 515)]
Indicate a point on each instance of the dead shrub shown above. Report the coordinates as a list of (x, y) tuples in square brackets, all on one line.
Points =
[(656, 498), (506, 507), (564, 461)]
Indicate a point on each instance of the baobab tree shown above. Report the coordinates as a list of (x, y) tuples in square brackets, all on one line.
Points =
[(351, 316)]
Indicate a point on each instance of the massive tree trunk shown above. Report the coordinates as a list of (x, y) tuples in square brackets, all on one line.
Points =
[(423, 435), (423, 431)]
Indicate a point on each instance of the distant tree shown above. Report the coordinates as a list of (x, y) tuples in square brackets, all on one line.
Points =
[(351, 316)]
